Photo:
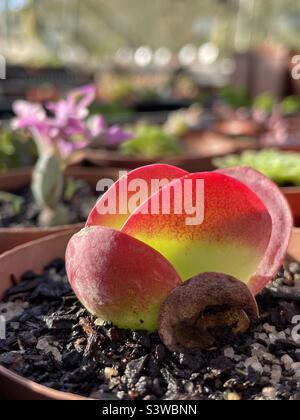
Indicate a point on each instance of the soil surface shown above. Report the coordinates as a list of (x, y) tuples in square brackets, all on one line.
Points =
[(52, 340), (20, 210)]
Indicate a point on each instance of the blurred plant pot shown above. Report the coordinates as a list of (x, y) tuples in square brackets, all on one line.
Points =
[(292, 195), (35, 256), (238, 128), (198, 147), (209, 143), (14, 180)]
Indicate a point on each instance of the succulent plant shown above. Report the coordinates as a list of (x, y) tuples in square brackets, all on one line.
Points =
[(16, 150), (57, 137), (281, 167), (180, 122), (152, 142), (47, 188), (125, 265)]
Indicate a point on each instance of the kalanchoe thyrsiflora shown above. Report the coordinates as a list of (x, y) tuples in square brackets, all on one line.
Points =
[(58, 135), (123, 265)]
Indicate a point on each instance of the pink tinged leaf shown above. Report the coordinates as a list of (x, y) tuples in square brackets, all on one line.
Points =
[(232, 239), (282, 223), (129, 192), (118, 278)]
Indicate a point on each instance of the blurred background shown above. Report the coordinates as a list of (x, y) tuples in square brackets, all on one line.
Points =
[(129, 45), (200, 84)]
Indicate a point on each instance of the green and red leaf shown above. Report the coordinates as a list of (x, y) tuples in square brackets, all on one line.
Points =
[(116, 205), (118, 278), (232, 239)]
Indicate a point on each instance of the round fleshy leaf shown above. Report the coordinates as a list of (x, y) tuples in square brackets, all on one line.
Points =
[(282, 223), (117, 204), (232, 238), (118, 278)]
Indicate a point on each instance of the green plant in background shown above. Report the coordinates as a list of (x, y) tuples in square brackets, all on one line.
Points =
[(16, 201), (264, 102), (180, 122), (267, 103), (234, 97), (16, 151), (112, 112), (290, 105), (152, 142), (282, 167)]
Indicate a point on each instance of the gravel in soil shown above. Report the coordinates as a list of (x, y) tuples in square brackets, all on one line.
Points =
[(52, 340), (21, 210)]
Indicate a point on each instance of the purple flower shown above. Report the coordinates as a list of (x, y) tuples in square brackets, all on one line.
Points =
[(74, 107), (115, 135), (28, 115), (112, 136), (68, 128)]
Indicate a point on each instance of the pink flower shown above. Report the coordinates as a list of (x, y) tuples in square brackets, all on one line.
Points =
[(68, 128), (74, 107), (28, 115), (112, 136)]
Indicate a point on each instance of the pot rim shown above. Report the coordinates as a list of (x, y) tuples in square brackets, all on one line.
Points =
[(27, 234), (41, 390), (44, 391), (49, 393)]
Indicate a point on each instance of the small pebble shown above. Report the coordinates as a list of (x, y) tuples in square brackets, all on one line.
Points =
[(110, 372), (276, 374), (296, 367), (269, 393), (281, 335), (294, 268), (268, 357), (233, 396), (229, 353), (257, 367), (250, 361), (297, 375), (273, 338), (287, 361), (269, 328), (297, 278)]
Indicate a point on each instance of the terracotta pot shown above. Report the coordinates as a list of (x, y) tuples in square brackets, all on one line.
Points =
[(14, 180), (198, 145), (238, 128), (208, 143), (292, 195), (35, 256)]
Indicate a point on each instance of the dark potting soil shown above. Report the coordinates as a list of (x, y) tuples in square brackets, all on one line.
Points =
[(52, 340), (24, 212)]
